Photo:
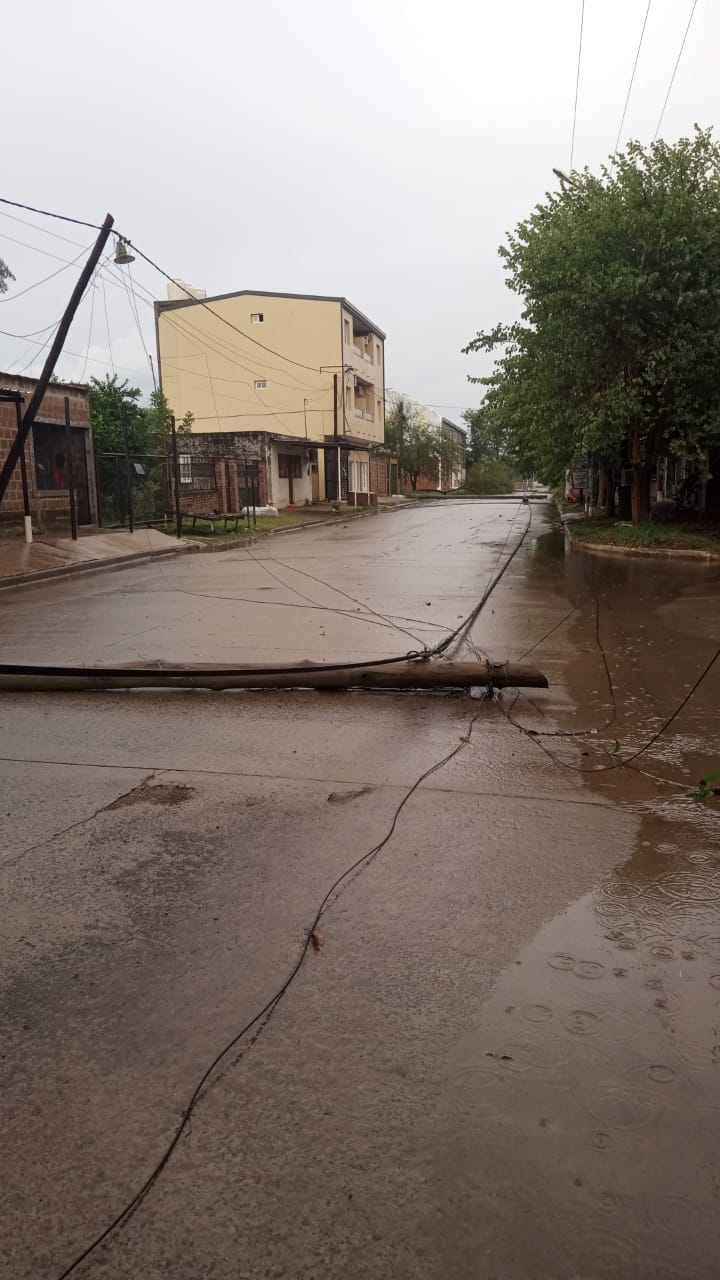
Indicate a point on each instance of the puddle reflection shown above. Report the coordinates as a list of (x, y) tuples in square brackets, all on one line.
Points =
[(590, 1091)]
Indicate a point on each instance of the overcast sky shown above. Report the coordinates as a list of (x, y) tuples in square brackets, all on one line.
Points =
[(379, 150)]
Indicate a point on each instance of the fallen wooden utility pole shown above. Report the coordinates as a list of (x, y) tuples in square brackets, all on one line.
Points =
[(389, 675)]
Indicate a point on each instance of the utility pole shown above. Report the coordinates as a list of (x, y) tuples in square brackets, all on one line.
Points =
[(58, 342), (335, 430), (176, 477)]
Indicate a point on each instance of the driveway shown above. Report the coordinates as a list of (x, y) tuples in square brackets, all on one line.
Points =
[(498, 1056)]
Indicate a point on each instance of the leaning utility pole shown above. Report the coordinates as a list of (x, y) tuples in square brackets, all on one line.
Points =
[(58, 342)]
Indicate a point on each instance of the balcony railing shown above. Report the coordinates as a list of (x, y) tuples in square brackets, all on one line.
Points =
[(361, 354)]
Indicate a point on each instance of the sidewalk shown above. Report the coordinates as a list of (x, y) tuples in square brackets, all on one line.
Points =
[(54, 557), (48, 557)]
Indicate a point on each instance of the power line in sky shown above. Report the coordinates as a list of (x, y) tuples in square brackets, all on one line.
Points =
[(632, 77), (677, 64), (577, 85)]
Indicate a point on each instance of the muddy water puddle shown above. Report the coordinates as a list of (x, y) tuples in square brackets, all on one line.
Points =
[(580, 1138), (585, 1128)]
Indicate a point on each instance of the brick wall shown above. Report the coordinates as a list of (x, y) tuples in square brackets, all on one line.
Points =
[(379, 475), (425, 482), (46, 509), (229, 452)]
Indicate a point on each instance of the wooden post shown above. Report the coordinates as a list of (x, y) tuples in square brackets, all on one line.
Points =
[(176, 477), (128, 478), (70, 475), (27, 519)]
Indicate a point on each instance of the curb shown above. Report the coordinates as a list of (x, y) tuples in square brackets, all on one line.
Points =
[(92, 566), (137, 557), (231, 544), (190, 547), (665, 553)]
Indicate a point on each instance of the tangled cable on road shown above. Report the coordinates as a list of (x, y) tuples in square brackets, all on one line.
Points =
[(574, 733), (360, 864), (627, 760)]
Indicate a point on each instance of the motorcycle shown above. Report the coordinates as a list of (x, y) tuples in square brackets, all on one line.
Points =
[(687, 495)]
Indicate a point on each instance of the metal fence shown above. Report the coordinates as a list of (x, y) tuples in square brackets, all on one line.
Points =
[(139, 489), (134, 489)]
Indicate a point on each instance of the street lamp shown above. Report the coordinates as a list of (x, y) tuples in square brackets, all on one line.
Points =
[(565, 178), (123, 256)]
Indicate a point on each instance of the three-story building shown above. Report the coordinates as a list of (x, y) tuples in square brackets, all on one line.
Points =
[(306, 372)]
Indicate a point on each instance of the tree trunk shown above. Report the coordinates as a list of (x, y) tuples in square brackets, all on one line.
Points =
[(602, 499), (641, 493), (612, 480)]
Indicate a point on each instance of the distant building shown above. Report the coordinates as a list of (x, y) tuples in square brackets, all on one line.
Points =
[(50, 454), (453, 458), (449, 470), (305, 372)]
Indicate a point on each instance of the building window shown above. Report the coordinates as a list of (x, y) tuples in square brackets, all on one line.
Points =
[(289, 464), (261, 384), (197, 474), (50, 457), (347, 331), (378, 353), (257, 317), (378, 411)]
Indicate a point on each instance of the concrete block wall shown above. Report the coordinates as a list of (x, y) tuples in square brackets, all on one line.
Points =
[(46, 509), (229, 451)]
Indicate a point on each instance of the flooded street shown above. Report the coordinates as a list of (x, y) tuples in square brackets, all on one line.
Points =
[(501, 1060)]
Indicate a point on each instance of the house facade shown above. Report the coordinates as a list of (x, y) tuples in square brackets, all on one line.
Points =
[(55, 456), (448, 470), (305, 372), (452, 465)]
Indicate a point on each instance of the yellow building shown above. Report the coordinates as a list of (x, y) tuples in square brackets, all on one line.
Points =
[(306, 371)]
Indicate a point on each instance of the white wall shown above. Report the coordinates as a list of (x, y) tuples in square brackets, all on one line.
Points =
[(302, 486)]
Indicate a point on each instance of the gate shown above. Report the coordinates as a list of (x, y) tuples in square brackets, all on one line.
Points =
[(248, 474), (331, 474)]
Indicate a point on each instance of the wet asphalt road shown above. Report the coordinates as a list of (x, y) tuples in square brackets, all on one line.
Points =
[(503, 1060)]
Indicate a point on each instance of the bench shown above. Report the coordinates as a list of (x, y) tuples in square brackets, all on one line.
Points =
[(213, 518)]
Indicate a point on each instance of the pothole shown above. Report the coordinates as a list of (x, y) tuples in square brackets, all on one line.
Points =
[(161, 793)]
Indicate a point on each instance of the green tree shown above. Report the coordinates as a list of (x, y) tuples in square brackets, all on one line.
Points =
[(488, 438), (116, 416), (618, 345), (5, 275), (490, 477), (416, 445), (115, 411)]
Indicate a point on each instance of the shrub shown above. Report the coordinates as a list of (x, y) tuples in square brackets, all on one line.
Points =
[(490, 477)]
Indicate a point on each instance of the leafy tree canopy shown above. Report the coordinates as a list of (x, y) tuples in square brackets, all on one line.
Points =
[(619, 336), (416, 445), (118, 417), (488, 436)]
